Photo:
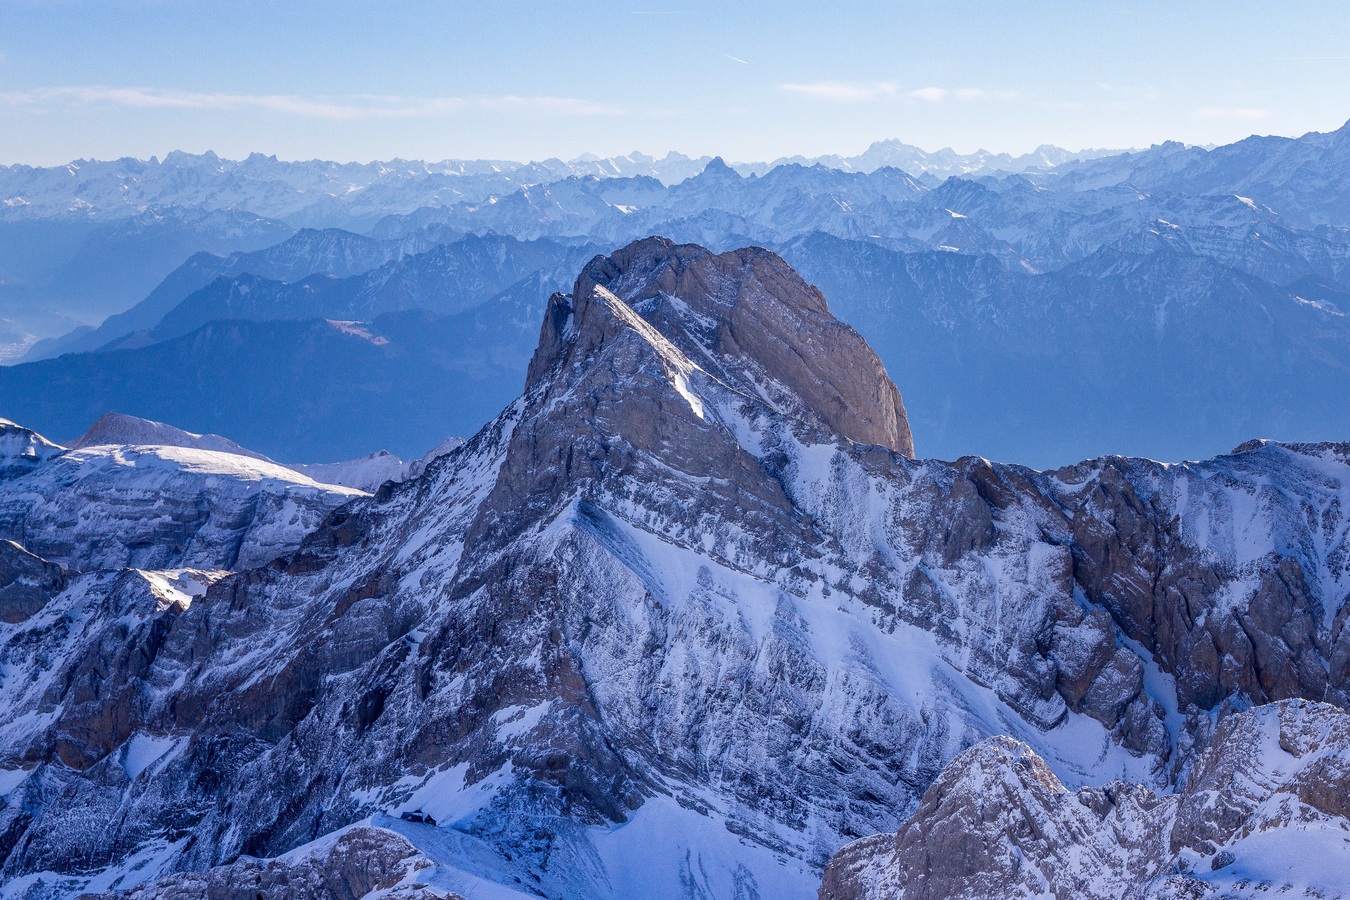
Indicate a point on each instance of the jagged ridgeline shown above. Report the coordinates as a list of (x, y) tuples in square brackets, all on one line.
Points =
[(685, 619)]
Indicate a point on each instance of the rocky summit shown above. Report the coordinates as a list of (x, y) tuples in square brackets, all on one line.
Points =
[(683, 621), (1265, 810)]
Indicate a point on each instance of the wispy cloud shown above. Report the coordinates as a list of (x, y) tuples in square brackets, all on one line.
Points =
[(844, 91), (1234, 112), (359, 106), (862, 91), (938, 94)]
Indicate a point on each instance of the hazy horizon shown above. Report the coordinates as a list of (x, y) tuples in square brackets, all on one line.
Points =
[(533, 79)]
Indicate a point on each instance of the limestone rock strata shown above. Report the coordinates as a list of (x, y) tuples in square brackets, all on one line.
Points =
[(159, 506)]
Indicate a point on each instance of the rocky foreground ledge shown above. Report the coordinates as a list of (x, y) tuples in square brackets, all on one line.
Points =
[(1264, 812)]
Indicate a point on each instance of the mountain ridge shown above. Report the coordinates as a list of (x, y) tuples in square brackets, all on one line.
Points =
[(646, 596)]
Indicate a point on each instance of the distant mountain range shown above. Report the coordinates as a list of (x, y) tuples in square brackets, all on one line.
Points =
[(1170, 302), (85, 240)]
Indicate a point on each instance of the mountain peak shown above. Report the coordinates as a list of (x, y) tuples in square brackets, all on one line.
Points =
[(718, 166), (744, 318), (122, 429)]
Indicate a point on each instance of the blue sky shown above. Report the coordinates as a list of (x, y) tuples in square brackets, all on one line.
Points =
[(528, 79)]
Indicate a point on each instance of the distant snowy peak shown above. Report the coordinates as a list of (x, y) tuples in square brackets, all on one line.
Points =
[(320, 193), (314, 193), (947, 162), (121, 429), (369, 472), (366, 473)]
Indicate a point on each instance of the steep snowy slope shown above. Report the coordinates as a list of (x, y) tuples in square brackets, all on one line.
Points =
[(108, 505), (682, 621)]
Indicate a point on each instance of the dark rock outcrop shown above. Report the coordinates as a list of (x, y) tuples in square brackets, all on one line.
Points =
[(999, 824), (362, 862), (27, 582)]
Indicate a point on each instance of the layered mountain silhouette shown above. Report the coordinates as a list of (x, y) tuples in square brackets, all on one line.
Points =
[(1169, 303)]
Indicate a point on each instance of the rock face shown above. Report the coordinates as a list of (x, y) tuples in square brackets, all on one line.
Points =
[(27, 582), (1264, 810), (361, 862), (747, 319), (682, 621)]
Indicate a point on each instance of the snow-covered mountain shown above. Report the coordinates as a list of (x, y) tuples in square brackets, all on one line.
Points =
[(145, 494), (1264, 811), (1304, 179), (120, 429), (1032, 318), (320, 194), (369, 473), (1041, 315), (683, 620), (945, 162)]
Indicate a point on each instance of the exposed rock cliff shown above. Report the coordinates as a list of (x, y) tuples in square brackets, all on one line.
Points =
[(1264, 811), (361, 862)]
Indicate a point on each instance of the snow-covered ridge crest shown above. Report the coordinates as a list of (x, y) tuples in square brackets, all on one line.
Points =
[(117, 428), (174, 505), (22, 449)]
